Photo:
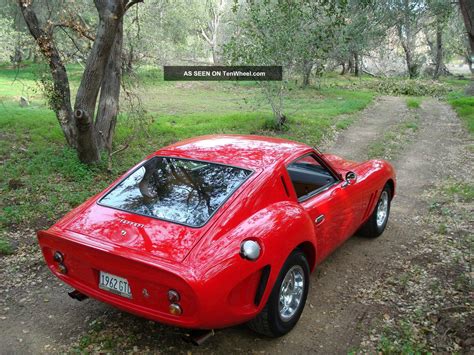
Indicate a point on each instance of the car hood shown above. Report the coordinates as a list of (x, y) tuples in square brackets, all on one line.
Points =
[(166, 240)]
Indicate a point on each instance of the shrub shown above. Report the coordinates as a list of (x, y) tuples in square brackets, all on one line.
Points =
[(409, 87), (414, 102), (5, 247)]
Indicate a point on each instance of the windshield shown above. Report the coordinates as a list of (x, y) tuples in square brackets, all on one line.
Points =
[(177, 190)]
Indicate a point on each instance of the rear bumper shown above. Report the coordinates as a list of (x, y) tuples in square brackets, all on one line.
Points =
[(224, 299)]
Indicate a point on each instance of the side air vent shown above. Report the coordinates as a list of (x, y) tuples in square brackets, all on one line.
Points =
[(370, 204), (262, 284)]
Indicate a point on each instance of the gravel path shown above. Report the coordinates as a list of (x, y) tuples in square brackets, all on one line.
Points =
[(37, 316)]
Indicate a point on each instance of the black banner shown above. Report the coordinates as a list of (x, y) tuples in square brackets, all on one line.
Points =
[(219, 73)]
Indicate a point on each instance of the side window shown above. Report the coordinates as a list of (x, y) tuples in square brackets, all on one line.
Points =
[(308, 176)]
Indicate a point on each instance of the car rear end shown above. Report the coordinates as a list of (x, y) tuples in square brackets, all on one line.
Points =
[(136, 284), (127, 246)]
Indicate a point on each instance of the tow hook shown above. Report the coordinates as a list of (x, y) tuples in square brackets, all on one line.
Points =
[(77, 295), (198, 336)]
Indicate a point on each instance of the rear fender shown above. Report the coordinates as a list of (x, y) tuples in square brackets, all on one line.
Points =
[(278, 228)]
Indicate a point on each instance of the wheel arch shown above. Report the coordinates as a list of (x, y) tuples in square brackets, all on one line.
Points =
[(309, 251), (391, 184)]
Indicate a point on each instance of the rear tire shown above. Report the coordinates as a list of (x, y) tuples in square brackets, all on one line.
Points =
[(377, 222), (287, 300)]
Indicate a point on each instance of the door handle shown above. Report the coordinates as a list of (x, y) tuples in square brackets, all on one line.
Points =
[(319, 219)]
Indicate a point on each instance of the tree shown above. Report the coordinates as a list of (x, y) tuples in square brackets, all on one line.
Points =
[(440, 12), (263, 37), (315, 28), (407, 16), (210, 28), (161, 32), (279, 33), (467, 11), (455, 41), (84, 129), (363, 29)]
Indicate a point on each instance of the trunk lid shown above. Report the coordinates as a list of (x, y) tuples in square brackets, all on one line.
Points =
[(163, 239)]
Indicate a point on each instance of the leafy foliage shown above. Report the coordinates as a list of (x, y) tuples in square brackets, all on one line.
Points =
[(279, 33), (395, 86), (40, 179)]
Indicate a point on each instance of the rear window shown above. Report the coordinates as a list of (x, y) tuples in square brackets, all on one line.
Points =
[(178, 190)]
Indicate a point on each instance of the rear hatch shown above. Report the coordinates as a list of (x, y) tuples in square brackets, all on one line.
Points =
[(166, 240), (163, 207)]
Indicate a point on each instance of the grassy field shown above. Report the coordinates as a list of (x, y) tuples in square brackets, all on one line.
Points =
[(42, 179), (464, 106)]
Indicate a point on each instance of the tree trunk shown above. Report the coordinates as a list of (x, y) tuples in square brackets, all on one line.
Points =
[(131, 56), (467, 10), (36, 58), (215, 58), (110, 15), (85, 137), (30, 54), (109, 94), (343, 71), (60, 99), (356, 64), (128, 56), (439, 52), (102, 72), (17, 57), (307, 67), (470, 64), (412, 67), (350, 66)]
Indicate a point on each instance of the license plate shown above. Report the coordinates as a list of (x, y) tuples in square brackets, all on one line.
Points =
[(114, 284)]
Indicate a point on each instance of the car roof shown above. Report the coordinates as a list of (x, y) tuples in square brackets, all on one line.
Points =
[(246, 151)]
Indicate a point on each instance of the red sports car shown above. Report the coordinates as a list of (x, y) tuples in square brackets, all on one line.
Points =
[(218, 230)]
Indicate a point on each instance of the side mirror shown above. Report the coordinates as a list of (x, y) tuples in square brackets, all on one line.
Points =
[(350, 179)]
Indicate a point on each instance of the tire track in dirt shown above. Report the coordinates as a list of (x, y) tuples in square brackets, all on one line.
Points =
[(334, 319), (384, 114), (361, 260)]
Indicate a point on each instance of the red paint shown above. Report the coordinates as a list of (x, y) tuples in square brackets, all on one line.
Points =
[(216, 285)]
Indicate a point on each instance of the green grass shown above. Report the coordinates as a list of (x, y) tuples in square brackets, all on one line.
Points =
[(463, 191), (414, 102), (41, 179), (392, 141), (464, 106), (5, 247), (401, 339)]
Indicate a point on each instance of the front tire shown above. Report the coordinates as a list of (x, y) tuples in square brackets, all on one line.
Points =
[(287, 300), (377, 222)]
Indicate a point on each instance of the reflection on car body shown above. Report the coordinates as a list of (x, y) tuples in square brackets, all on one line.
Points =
[(218, 230)]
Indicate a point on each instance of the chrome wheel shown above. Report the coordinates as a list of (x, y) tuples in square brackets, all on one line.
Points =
[(291, 293), (382, 209)]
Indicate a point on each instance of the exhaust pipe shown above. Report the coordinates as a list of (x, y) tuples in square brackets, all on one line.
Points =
[(77, 295), (198, 337)]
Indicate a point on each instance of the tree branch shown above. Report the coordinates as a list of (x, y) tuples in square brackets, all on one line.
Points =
[(76, 28), (60, 101), (131, 3), (208, 40)]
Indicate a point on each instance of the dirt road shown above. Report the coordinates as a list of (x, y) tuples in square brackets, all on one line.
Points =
[(37, 316)]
